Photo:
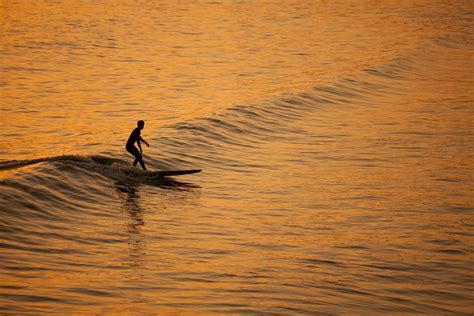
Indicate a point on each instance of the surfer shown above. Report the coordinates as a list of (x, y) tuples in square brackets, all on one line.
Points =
[(135, 137)]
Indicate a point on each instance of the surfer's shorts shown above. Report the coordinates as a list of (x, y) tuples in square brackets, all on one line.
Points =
[(134, 151), (138, 156)]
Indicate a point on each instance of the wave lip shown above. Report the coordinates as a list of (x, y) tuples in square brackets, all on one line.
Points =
[(15, 164), (109, 167)]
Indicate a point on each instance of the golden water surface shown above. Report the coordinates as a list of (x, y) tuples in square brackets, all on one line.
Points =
[(335, 138)]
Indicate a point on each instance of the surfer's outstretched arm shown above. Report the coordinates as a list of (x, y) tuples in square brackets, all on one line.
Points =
[(141, 139)]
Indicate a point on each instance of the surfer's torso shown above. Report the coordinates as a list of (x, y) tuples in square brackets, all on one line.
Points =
[(134, 136)]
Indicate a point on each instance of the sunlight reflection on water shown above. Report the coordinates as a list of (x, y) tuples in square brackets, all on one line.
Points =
[(335, 142)]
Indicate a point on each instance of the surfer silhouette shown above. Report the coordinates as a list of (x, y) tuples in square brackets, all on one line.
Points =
[(135, 137)]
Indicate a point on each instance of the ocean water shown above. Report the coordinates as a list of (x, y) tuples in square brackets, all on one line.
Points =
[(335, 138)]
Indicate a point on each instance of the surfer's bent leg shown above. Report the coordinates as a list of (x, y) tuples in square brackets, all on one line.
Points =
[(142, 163), (138, 157)]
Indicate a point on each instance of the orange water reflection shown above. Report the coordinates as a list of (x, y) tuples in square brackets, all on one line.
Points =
[(361, 201), (76, 75)]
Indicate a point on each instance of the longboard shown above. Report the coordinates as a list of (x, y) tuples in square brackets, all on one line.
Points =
[(172, 173)]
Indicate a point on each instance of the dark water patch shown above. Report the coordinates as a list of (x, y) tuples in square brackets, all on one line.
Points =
[(91, 292), (460, 208), (355, 247), (444, 242), (12, 287), (46, 250), (318, 262), (24, 69), (38, 299)]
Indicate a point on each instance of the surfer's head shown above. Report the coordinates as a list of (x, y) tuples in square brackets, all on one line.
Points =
[(141, 124)]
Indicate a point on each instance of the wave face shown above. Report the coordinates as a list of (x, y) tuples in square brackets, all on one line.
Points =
[(337, 178)]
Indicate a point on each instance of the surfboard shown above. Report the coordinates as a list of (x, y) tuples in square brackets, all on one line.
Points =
[(172, 173)]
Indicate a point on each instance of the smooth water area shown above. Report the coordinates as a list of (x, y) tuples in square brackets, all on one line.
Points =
[(335, 138)]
